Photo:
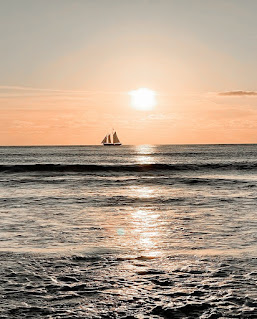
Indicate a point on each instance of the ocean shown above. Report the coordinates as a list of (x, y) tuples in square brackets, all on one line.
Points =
[(128, 232)]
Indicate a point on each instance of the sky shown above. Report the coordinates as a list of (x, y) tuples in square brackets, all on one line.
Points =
[(67, 66)]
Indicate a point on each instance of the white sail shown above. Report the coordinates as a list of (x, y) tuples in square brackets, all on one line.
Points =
[(109, 139), (105, 139), (115, 138)]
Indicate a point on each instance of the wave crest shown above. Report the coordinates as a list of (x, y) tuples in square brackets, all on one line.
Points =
[(87, 168)]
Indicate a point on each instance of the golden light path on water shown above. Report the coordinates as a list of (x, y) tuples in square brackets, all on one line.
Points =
[(144, 154), (141, 229), (145, 227), (143, 223)]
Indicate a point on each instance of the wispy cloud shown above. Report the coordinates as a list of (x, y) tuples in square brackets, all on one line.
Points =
[(26, 88), (47, 98), (238, 93)]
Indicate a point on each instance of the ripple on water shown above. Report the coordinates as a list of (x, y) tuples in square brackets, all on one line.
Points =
[(120, 287)]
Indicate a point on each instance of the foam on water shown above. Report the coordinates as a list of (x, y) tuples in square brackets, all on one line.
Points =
[(89, 286)]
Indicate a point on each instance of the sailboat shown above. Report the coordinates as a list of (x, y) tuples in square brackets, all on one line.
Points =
[(114, 141)]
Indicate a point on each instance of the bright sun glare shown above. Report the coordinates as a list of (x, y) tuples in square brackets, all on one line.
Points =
[(143, 99)]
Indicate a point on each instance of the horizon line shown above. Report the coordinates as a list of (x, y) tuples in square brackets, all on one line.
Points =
[(82, 145)]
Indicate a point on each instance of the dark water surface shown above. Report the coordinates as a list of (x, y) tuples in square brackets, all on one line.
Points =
[(128, 232)]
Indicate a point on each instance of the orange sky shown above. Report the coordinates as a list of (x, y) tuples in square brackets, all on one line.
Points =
[(67, 68), (45, 118)]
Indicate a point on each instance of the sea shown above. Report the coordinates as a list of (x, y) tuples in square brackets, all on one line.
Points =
[(149, 231)]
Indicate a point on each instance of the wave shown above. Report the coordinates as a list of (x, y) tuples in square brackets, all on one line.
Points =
[(87, 168)]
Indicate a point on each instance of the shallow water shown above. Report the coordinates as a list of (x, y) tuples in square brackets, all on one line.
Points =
[(136, 232)]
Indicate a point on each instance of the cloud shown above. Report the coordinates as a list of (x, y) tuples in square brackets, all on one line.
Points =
[(238, 93), (33, 89)]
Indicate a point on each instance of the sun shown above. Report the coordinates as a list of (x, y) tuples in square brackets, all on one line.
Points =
[(143, 99)]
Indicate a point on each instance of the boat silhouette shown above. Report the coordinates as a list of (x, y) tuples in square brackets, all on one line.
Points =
[(111, 140)]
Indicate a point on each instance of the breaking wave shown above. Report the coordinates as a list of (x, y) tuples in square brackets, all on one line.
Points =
[(125, 168)]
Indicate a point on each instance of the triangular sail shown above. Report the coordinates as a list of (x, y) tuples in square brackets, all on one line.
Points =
[(111, 139), (115, 138), (105, 139)]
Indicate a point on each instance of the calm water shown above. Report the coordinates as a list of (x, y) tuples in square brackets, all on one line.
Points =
[(128, 232)]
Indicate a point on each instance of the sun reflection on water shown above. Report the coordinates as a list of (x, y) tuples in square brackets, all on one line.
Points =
[(142, 192), (145, 230), (141, 230), (144, 154)]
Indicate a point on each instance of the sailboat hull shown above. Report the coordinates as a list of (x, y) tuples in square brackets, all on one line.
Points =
[(111, 144)]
